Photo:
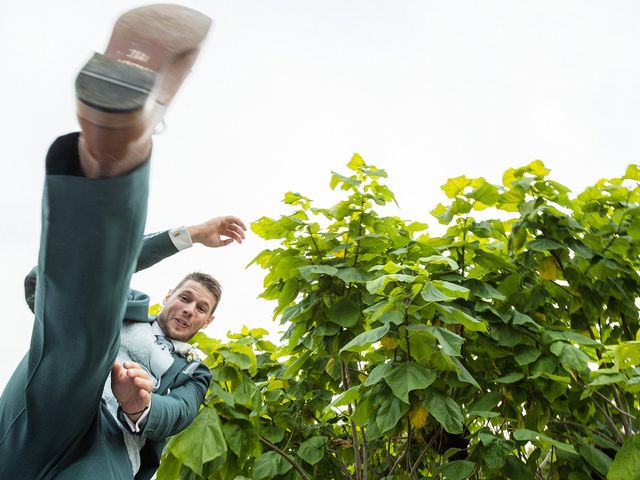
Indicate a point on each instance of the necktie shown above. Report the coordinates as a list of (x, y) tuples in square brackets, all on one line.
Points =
[(165, 343)]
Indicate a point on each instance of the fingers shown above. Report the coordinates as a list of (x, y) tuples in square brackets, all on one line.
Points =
[(117, 370), (144, 384), (145, 396), (136, 375), (236, 220), (209, 232), (233, 228)]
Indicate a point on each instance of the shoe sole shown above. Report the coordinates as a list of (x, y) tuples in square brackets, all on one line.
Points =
[(149, 55)]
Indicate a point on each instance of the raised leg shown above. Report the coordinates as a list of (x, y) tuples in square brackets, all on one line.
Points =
[(93, 215)]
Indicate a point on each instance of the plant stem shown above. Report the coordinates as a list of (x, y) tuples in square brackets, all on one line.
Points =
[(313, 240), (623, 417), (464, 243), (397, 462), (614, 427), (406, 330), (346, 384), (423, 453), (275, 448), (355, 258), (623, 413), (408, 447)]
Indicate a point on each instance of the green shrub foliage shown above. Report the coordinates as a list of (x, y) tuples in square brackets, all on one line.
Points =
[(507, 347)]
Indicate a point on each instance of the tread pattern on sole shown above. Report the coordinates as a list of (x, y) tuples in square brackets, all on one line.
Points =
[(112, 86)]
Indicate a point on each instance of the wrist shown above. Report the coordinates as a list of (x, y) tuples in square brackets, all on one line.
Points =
[(134, 416), (194, 232)]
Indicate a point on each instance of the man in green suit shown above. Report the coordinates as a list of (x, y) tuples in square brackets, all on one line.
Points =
[(183, 366), (54, 422)]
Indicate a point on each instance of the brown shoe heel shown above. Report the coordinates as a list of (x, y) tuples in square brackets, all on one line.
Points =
[(105, 86), (150, 53)]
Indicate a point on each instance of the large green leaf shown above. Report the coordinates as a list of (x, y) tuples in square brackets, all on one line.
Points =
[(626, 464), (269, 465), (345, 312), (295, 366), (454, 315), (550, 336), (441, 291), (347, 397), (450, 342), (457, 470), (312, 449), (485, 404), (389, 414), (455, 186), (309, 271), (440, 260), (365, 339), (463, 373), (432, 294), (627, 354), (353, 275), (201, 442), (526, 354), (347, 182), (379, 284), (571, 357), (596, 458), (377, 374), (241, 438), (408, 376), (536, 437), (543, 244), (445, 410)]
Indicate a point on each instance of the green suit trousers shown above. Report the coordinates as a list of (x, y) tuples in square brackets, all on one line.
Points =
[(52, 424)]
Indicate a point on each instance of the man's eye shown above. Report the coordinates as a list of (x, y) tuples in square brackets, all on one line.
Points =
[(183, 298), (202, 309)]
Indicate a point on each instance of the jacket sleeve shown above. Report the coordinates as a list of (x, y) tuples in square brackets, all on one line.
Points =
[(174, 411), (155, 247)]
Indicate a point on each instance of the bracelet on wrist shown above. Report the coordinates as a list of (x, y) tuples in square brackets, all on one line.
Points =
[(135, 413)]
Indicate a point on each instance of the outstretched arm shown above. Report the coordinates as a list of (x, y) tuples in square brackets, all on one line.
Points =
[(216, 232)]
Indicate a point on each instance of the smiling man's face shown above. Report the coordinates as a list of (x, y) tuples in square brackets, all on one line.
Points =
[(187, 310)]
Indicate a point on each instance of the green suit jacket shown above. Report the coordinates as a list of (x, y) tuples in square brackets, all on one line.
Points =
[(182, 388)]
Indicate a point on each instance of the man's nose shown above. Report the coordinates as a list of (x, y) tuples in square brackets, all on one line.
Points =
[(188, 308)]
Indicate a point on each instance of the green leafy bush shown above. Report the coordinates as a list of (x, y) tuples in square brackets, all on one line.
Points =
[(504, 348)]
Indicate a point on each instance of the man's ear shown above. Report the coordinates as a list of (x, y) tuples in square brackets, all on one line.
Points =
[(168, 296), (209, 321)]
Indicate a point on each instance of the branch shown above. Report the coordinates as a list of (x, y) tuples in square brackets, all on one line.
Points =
[(346, 382), (273, 447), (628, 431), (623, 413), (313, 240), (357, 254), (423, 453), (397, 462), (614, 427)]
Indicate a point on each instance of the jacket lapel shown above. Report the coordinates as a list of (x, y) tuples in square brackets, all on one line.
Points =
[(168, 379)]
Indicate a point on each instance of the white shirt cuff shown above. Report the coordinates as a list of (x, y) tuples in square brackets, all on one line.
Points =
[(180, 238), (139, 425)]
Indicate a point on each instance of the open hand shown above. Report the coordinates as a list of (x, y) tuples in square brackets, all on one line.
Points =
[(132, 386), (209, 233)]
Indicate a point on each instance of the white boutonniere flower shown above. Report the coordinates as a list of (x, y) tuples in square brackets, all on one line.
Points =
[(194, 353)]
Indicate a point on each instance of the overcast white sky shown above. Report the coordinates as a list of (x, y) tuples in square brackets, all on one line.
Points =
[(285, 91)]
